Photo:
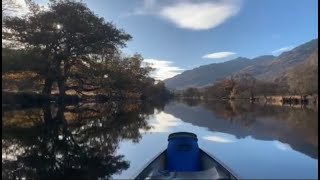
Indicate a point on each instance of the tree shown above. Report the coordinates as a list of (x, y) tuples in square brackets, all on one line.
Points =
[(222, 89), (302, 83), (156, 91), (245, 84), (128, 73), (266, 88), (303, 79), (191, 92), (70, 38)]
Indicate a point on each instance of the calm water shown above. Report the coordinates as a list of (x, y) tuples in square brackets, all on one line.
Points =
[(110, 140)]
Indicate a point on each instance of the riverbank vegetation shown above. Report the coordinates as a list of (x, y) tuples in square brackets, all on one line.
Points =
[(299, 88), (66, 51)]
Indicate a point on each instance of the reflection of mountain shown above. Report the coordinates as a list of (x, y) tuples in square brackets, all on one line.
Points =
[(296, 127), (68, 142)]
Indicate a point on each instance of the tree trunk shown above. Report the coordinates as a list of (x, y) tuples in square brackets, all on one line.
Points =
[(60, 114), (265, 97), (47, 116), (252, 97), (47, 87), (62, 88), (61, 80)]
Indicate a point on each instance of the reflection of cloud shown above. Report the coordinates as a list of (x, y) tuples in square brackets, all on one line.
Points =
[(163, 122), (282, 146), (218, 139), (12, 152)]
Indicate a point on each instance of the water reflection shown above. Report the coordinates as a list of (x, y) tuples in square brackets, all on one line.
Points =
[(63, 142), (90, 141), (297, 127)]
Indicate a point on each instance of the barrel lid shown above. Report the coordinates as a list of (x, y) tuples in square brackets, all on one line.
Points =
[(182, 134)]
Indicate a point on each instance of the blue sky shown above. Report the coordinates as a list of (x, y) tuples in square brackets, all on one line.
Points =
[(176, 35)]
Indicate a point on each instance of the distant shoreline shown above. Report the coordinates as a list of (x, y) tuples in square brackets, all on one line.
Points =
[(291, 100)]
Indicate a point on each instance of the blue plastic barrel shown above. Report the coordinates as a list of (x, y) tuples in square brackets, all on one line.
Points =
[(183, 152)]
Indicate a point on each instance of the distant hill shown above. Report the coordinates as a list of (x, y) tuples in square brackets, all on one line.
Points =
[(276, 68), (209, 74), (310, 65), (265, 67)]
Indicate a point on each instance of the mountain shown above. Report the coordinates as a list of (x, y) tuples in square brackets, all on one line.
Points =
[(209, 74), (267, 67), (275, 69), (310, 65)]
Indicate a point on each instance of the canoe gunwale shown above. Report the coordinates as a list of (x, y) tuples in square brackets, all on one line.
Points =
[(225, 168), (222, 165), (149, 163)]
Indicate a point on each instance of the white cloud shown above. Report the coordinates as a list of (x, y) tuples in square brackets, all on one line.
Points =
[(283, 49), (188, 14), (282, 146), (218, 139), (219, 55), (200, 16), (163, 69)]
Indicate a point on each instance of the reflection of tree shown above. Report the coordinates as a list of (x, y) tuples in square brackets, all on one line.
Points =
[(297, 127), (190, 101), (247, 113), (70, 142), (232, 112)]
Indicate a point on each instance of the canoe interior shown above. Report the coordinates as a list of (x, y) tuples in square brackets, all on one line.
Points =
[(211, 169)]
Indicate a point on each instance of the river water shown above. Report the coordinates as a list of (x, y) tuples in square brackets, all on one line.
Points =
[(116, 141)]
